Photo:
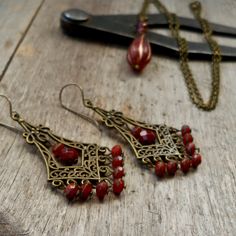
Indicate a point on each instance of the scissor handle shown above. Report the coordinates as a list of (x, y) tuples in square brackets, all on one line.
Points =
[(120, 29), (75, 15)]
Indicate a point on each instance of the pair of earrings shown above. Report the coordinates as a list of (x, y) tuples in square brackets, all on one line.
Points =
[(80, 170)]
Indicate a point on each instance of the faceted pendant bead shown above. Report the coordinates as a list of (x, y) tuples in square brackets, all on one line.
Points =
[(185, 165), (171, 168), (118, 172), (118, 186), (136, 132), (144, 136), (85, 191), (190, 148), (139, 53), (196, 160), (71, 191), (185, 129), (57, 149), (68, 156), (116, 151), (101, 190), (187, 138), (160, 169), (147, 137), (117, 161)]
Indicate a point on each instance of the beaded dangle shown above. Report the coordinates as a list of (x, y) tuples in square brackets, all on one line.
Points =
[(79, 170), (159, 147), (139, 52)]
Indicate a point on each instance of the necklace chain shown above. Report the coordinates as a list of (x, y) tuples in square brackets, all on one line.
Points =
[(174, 27)]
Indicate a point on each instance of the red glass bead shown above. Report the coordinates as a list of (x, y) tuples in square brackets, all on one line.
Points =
[(136, 132), (190, 148), (68, 156), (118, 172), (196, 160), (160, 169), (187, 138), (116, 151), (118, 186), (147, 137), (139, 53), (171, 167), (71, 191), (117, 161), (57, 149), (142, 27), (101, 190), (185, 129), (185, 165), (85, 191)]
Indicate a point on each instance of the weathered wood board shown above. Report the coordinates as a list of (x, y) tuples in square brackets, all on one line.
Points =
[(201, 203), (15, 20)]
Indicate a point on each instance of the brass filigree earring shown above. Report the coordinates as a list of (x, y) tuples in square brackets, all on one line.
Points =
[(159, 147), (77, 169)]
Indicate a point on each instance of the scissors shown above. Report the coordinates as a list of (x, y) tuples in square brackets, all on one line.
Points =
[(120, 29)]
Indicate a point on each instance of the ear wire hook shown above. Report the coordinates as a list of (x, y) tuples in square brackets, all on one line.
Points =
[(11, 112), (86, 117)]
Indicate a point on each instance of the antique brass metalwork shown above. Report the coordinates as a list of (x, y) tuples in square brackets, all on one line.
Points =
[(174, 26), (94, 164), (168, 147)]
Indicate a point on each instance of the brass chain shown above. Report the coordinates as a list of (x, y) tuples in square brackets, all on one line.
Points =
[(174, 27)]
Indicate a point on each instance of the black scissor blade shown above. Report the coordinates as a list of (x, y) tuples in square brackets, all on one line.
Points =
[(191, 24), (194, 49), (186, 23), (110, 28)]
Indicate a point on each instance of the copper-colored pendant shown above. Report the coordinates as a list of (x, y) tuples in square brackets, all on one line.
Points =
[(139, 53)]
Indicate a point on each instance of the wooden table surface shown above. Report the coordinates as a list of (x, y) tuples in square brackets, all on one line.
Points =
[(37, 60)]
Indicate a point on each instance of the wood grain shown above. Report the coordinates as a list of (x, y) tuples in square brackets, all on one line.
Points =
[(201, 203), (15, 19)]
